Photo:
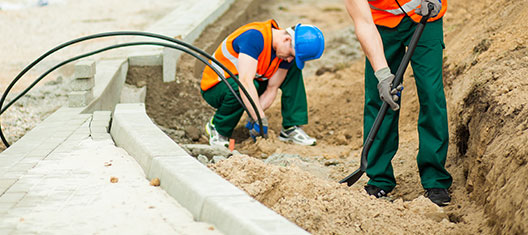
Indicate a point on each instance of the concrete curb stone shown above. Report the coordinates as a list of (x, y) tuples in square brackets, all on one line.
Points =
[(209, 197)]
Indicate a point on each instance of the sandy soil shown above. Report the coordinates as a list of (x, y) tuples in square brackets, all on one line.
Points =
[(485, 67)]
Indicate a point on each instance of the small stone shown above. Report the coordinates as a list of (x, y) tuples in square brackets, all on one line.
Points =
[(114, 180), (155, 182), (193, 133), (203, 159), (217, 159)]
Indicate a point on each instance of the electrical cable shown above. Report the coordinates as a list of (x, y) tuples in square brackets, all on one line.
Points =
[(115, 47), (131, 33)]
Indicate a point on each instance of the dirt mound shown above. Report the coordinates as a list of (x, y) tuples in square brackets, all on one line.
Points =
[(486, 70), (325, 207)]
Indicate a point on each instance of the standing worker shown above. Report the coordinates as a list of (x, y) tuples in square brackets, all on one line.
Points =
[(384, 29), (264, 58)]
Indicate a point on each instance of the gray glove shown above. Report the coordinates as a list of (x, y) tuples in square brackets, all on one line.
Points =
[(424, 9), (385, 78)]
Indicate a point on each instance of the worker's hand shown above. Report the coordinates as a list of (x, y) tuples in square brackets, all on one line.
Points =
[(250, 123), (254, 129), (385, 78), (424, 8)]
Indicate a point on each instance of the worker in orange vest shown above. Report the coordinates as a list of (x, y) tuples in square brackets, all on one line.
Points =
[(264, 57), (384, 29)]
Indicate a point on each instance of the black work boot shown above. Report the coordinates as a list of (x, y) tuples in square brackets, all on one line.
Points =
[(440, 196), (375, 191)]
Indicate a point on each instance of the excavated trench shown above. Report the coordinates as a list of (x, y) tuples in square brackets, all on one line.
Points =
[(486, 95)]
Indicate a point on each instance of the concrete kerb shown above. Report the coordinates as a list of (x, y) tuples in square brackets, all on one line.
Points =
[(184, 23), (109, 81), (209, 197)]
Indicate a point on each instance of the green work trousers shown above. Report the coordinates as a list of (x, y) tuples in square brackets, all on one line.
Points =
[(294, 107), (433, 133)]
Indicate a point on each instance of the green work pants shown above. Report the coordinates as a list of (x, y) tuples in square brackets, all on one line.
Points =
[(433, 133), (294, 107)]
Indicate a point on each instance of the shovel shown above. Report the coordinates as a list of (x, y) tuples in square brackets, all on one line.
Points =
[(354, 177)]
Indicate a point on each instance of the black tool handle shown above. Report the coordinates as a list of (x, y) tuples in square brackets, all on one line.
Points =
[(354, 177)]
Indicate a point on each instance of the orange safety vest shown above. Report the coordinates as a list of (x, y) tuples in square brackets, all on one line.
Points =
[(388, 13), (226, 55)]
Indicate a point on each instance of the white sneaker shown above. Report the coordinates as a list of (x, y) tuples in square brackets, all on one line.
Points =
[(215, 139), (296, 135)]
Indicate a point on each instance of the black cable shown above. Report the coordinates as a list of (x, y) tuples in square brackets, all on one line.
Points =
[(115, 47), (130, 33), (133, 33)]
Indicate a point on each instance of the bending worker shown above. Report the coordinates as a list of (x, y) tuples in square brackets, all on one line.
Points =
[(384, 29), (264, 58)]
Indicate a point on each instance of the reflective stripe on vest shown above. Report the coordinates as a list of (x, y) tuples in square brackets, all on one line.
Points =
[(407, 7), (226, 55), (388, 13)]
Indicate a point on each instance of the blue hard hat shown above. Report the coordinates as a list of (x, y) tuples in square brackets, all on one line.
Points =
[(309, 44)]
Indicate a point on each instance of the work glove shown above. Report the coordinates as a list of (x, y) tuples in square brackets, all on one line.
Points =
[(386, 93), (250, 123), (254, 128), (424, 8)]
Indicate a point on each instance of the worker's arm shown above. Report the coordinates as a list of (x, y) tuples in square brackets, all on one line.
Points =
[(266, 99), (372, 46), (247, 68), (367, 32)]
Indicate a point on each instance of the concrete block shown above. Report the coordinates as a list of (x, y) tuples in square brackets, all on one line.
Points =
[(102, 115), (11, 197), (170, 60), (9, 160), (98, 129), (145, 58), (84, 69), (109, 80), (244, 215), (101, 136), (133, 130), (207, 150), (100, 123), (5, 206), (82, 84), (129, 108), (133, 94), (5, 184), (79, 98), (190, 182)]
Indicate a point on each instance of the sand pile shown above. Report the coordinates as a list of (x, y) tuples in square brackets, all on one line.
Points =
[(325, 207)]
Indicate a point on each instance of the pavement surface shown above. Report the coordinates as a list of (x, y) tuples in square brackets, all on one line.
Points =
[(73, 179), (76, 181)]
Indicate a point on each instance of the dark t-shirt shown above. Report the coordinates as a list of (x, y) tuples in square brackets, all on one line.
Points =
[(251, 43)]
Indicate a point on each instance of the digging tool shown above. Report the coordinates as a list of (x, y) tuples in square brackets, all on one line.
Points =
[(354, 177)]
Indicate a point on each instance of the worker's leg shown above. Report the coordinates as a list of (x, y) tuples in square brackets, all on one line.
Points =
[(432, 121), (228, 109), (385, 144), (294, 107)]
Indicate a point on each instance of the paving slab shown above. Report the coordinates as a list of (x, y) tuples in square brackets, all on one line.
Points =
[(91, 187)]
